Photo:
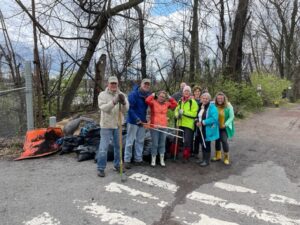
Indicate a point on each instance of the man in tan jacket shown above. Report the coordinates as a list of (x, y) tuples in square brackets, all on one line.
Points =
[(108, 102)]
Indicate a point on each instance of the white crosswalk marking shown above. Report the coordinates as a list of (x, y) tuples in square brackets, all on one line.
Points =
[(119, 188), (43, 219), (272, 198), (154, 182), (110, 216), (233, 188), (206, 220), (115, 187), (150, 185), (266, 216), (283, 199)]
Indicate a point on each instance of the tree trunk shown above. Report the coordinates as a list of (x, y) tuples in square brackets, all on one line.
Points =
[(37, 72), (99, 78), (94, 40), (235, 53), (222, 39), (194, 49), (142, 42)]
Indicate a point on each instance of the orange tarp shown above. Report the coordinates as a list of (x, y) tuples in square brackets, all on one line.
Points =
[(41, 142)]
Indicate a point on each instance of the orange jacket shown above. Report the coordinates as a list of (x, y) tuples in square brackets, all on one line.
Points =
[(159, 111)]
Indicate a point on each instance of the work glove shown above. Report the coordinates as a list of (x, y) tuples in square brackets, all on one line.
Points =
[(180, 113), (116, 99), (139, 122), (121, 98), (154, 95)]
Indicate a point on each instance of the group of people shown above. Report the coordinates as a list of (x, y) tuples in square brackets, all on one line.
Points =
[(199, 119)]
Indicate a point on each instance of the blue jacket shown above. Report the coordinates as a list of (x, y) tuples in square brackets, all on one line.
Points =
[(212, 123), (137, 105)]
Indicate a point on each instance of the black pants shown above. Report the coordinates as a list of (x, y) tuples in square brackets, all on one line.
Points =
[(224, 140), (196, 145), (188, 135)]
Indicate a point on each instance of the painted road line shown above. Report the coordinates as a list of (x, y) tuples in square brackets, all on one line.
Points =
[(234, 188), (110, 216), (120, 188), (43, 219), (283, 199), (154, 182), (272, 198), (265, 215), (205, 220)]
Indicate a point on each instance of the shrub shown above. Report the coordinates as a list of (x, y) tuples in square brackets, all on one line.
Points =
[(272, 87), (242, 96)]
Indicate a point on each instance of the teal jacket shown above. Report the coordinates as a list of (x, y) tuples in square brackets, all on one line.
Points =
[(229, 120), (212, 123)]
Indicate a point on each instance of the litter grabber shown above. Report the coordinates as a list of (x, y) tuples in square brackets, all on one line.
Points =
[(203, 141), (123, 176), (165, 132), (200, 121), (159, 126), (148, 126)]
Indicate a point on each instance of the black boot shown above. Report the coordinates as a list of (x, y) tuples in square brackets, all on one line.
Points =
[(206, 159), (199, 161)]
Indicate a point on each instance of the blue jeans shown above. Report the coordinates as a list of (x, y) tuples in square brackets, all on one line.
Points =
[(106, 134), (158, 142), (134, 133)]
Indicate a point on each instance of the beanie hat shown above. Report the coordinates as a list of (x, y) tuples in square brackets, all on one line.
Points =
[(187, 88)]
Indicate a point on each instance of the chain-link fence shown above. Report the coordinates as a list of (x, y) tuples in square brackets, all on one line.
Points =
[(12, 111)]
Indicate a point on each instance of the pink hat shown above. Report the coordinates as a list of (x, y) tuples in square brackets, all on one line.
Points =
[(187, 88)]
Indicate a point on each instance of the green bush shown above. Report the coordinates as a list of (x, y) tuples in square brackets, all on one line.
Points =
[(271, 87), (242, 96)]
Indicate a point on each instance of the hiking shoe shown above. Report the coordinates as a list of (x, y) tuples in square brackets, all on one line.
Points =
[(101, 173), (127, 165)]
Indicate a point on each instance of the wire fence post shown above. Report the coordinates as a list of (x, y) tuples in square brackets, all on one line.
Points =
[(29, 102)]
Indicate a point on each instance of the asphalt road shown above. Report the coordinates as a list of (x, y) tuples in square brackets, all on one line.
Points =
[(261, 186)]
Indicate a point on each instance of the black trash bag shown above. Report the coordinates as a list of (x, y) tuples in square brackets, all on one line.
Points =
[(88, 127), (69, 143), (147, 147), (92, 137), (91, 134), (85, 152), (169, 141)]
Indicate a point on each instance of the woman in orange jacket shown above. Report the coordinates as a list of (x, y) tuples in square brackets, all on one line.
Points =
[(159, 105)]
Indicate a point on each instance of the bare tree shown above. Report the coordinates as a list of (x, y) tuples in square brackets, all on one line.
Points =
[(235, 51), (96, 15), (99, 79), (194, 49), (280, 27), (142, 42)]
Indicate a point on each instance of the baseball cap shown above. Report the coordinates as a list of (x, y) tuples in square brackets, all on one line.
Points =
[(113, 79), (146, 80)]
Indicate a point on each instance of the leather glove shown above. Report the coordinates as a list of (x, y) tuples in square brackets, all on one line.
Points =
[(116, 99), (122, 99)]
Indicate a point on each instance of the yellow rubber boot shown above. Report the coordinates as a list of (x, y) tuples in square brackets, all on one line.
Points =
[(217, 157), (226, 158)]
